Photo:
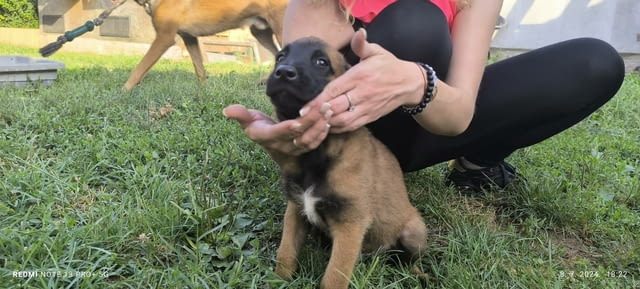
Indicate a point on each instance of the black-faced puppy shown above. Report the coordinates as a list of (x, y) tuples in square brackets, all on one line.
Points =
[(351, 186)]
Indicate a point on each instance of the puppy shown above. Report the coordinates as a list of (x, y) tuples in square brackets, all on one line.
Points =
[(194, 18), (351, 186)]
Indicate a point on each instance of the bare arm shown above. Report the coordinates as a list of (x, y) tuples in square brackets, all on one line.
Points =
[(452, 110), (381, 82)]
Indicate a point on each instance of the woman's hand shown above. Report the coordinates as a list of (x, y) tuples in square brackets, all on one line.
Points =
[(374, 87), (290, 137)]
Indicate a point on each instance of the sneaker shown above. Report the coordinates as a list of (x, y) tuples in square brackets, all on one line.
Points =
[(472, 181)]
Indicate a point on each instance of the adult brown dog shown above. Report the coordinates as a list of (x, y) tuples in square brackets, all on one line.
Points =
[(351, 186), (193, 18)]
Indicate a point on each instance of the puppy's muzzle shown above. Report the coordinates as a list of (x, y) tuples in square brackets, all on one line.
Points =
[(286, 72)]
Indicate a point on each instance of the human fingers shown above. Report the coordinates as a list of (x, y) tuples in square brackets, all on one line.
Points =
[(348, 80), (358, 42), (261, 128), (329, 97), (343, 103), (340, 91), (310, 117), (238, 112), (313, 124), (351, 113), (333, 89), (346, 122), (313, 137), (305, 133), (363, 48)]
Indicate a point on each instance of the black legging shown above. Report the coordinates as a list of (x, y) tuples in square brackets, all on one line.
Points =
[(521, 101)]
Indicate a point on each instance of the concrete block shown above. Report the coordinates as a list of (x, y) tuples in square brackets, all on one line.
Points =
[(20, 70)]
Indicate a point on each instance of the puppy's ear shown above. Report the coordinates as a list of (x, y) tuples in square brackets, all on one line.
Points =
[(338, 63)]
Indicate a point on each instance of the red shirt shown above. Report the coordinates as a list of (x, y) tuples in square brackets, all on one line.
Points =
[(366, 10)]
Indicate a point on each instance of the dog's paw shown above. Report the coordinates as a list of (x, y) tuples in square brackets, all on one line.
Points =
[(421, 274)]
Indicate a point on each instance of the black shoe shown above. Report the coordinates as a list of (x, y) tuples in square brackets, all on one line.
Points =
[(474, 181), (501, 22)]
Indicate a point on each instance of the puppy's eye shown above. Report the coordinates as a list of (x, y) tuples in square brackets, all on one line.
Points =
[(280, 57), (322, 62)]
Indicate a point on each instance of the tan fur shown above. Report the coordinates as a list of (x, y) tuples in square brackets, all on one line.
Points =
[(379, 214), (193, 18)]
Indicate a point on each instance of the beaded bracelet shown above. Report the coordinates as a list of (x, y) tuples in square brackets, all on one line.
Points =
[(430, 90)]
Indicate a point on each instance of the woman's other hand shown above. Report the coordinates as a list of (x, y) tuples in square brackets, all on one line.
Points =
[(374, 87)]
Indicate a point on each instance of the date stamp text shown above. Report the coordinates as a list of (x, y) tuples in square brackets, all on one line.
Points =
[(593, 274)]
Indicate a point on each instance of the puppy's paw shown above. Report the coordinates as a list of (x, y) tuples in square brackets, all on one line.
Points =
[(284, 272), (422, 275)]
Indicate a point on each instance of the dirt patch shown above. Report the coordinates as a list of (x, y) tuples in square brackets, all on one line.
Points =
[(574, 248)]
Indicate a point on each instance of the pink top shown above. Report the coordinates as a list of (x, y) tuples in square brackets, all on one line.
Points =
[(366, 10)]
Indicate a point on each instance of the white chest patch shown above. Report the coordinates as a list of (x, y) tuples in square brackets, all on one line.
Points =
[(309, 207)]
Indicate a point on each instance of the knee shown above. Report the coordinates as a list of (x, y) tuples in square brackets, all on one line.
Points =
[(600, 64)]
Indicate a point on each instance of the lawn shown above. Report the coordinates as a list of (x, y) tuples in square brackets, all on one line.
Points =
[(105, 189)]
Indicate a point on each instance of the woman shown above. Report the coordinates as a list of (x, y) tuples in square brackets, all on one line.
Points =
[(455, 107)]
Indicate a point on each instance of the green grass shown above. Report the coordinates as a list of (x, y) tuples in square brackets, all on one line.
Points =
[(96, 192)]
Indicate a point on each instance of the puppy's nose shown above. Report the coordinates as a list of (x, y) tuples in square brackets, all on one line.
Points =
[(287, 71)]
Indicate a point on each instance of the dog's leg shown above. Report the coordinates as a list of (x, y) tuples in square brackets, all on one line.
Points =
[(265, 38), (347, 243), (164, 39), (413, 239), (293, 235), (275, 19), (191, 42)]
